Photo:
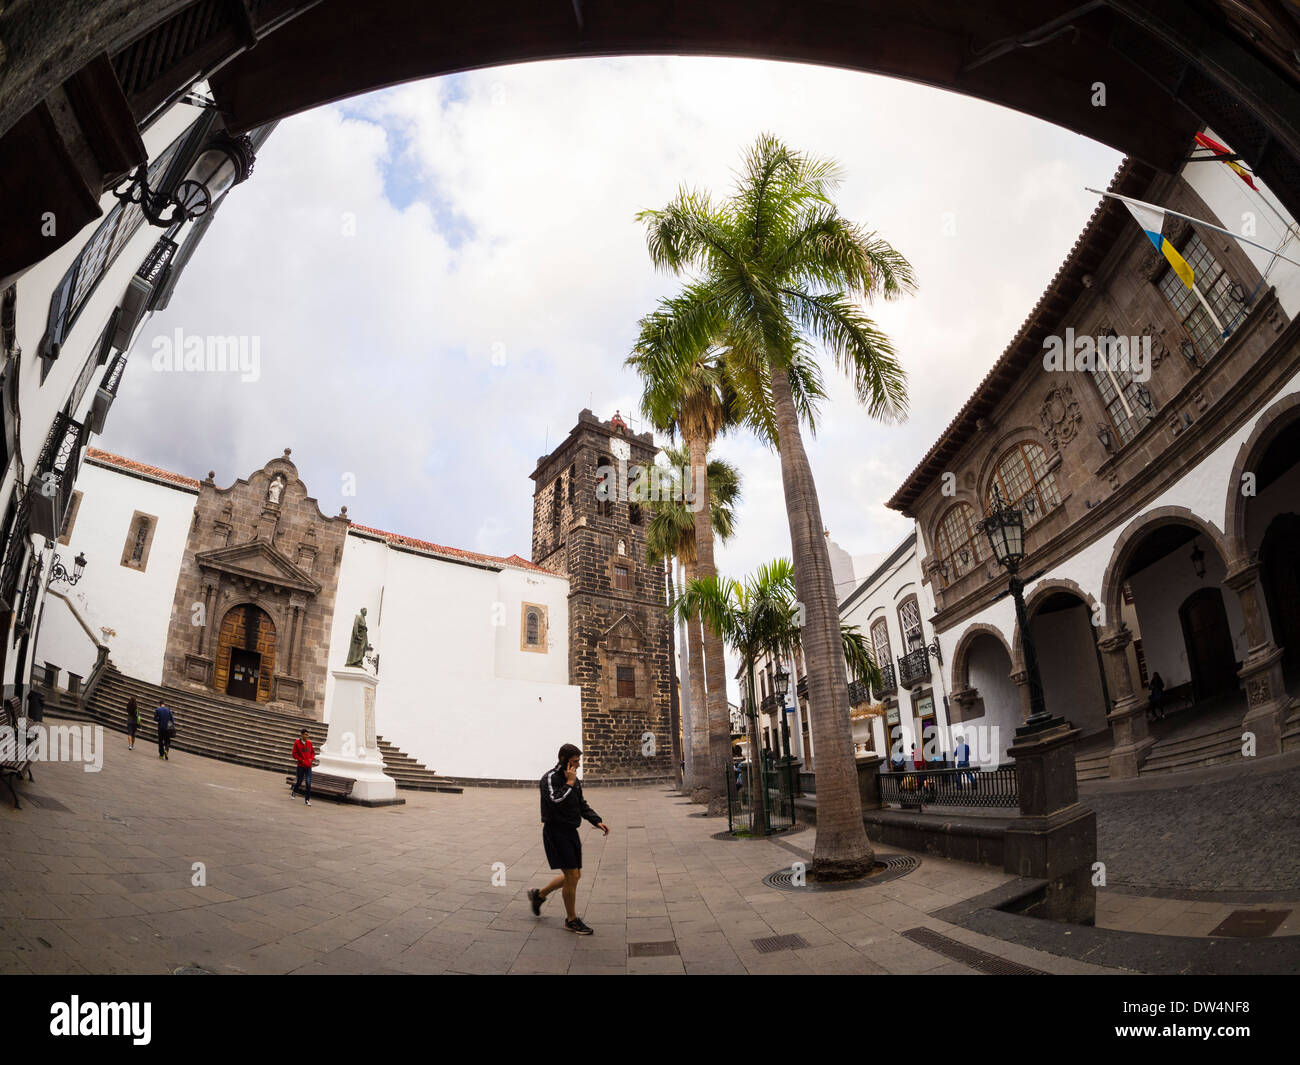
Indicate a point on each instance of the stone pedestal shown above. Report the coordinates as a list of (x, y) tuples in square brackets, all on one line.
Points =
[(1055, 838), (869, 781), (1127, 718), (1266, 698), (351, 749)]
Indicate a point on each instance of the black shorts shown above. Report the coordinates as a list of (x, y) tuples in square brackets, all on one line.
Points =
[(563, 847)]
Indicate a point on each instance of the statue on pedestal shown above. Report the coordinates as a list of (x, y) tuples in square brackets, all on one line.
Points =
[(358, 647)]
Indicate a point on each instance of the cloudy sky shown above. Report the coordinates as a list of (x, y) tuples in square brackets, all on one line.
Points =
[(439, 277)]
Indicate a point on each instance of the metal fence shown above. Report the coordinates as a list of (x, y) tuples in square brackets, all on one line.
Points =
[(758, 798), (916, 789)]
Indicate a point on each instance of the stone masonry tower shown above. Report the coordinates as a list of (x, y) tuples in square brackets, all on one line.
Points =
[(618, 628)]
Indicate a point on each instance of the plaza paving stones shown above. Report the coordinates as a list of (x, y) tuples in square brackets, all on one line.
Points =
[(110, 885)]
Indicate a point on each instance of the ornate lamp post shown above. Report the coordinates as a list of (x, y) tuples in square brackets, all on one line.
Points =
[(225, 161), (781, 681), (1005, 529), (59, 572)]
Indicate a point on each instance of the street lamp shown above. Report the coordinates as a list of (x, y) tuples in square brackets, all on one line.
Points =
[(224, 162), (59, 572), (781, 682), (1005, 529), (1198, 559)]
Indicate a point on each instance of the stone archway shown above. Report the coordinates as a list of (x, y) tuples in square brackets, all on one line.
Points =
[(1280, 418), (1062, 621), (245, 657), (986, 694)]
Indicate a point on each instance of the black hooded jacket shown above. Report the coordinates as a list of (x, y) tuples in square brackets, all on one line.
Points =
[(562, 803)]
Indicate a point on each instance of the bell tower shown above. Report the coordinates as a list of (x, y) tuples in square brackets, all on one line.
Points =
[(586, 528)]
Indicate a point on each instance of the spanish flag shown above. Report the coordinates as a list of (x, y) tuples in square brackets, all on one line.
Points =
[(1152, 221), (1219, 150)]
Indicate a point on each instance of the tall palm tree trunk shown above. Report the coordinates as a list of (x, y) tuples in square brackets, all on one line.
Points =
[(715, 663), (683, 671), (699, 739), (842, 851), (674, 683)]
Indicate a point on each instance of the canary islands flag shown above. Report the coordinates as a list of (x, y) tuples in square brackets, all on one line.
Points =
[(1152, 221)]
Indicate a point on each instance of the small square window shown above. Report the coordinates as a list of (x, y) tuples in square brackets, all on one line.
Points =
[(626, 682)]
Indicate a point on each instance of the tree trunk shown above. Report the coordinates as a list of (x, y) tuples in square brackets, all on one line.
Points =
[(688, 717), (674, 683), (715, 662), (842, 851), (699, 740)]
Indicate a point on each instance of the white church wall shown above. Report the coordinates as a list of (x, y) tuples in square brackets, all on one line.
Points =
[(136, 605), (441, 697)]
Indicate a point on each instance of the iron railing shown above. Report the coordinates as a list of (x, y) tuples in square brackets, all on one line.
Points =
[(61, 457), (859, 693), (760, 802), (889, 685), (913, 668), (918, 788)]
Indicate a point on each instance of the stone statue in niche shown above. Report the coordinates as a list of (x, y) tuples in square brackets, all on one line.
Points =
[(358, 647), (277, 486)]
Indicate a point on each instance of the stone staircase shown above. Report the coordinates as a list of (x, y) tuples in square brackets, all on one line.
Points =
[(1093, 766), (230, 730), (1209, 748)]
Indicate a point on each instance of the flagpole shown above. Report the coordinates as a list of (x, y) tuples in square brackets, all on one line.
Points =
[(1198, 221)]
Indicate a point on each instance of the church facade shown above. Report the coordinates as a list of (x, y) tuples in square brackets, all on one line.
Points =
[(250, 592)]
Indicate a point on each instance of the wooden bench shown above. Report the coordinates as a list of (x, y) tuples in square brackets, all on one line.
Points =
[(13, 768), (324, 784)]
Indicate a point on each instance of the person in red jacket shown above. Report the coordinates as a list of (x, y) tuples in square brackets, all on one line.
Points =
[(304, 754)]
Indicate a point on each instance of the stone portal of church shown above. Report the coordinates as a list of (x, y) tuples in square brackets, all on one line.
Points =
[(245, 660), (255, 596)]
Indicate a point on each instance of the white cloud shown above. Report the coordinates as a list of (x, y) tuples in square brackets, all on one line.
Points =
[(511, 232)]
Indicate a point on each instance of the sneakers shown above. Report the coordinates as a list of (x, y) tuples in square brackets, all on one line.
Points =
[(578, 928), (535, 897), (309, 802)]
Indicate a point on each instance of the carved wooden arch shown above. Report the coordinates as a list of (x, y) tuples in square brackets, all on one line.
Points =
[(1273, 421), (1043, 590), (961, 654), (1112, 585)]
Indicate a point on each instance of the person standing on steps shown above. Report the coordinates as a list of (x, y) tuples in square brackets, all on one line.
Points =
[(304, 754), (132, 722), (563, 809), (166, 729)]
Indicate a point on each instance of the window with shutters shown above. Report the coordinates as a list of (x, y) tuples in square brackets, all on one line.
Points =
[(909, 622), (880, 642), (626, 682)]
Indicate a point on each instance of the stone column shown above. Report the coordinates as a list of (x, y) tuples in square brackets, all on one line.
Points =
[(1128, 722), (1055, 837), (1261, 673)]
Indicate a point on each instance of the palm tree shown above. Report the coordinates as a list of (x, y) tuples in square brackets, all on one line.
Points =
[(780, 274), (685, 392), (758, 618), (671, 532)]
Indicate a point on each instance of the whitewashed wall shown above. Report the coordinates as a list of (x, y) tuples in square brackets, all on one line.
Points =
[(455, 691), (136, 605)]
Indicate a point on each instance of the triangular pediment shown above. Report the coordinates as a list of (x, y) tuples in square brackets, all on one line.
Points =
[(258, 561), (624, 629)]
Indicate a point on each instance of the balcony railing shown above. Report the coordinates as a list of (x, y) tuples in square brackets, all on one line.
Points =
[(913, 668), (859, 693), (889, 685)]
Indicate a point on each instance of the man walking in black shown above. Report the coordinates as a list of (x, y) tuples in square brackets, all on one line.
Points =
[(563, 809)]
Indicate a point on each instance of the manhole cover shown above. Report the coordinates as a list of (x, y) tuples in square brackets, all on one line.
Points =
[(979, 960), (1251, 924), (666, 949), (191, 970), (772, 944), (887, 867)]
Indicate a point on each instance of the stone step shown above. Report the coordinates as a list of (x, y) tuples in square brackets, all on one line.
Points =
[(1224, 751), (1096, 773), (1203, 739), (221, 728)]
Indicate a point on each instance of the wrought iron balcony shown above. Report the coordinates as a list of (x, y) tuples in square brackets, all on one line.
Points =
[(913, 668), (889, 685), (770, 704), (859, 693), (50, 490)]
